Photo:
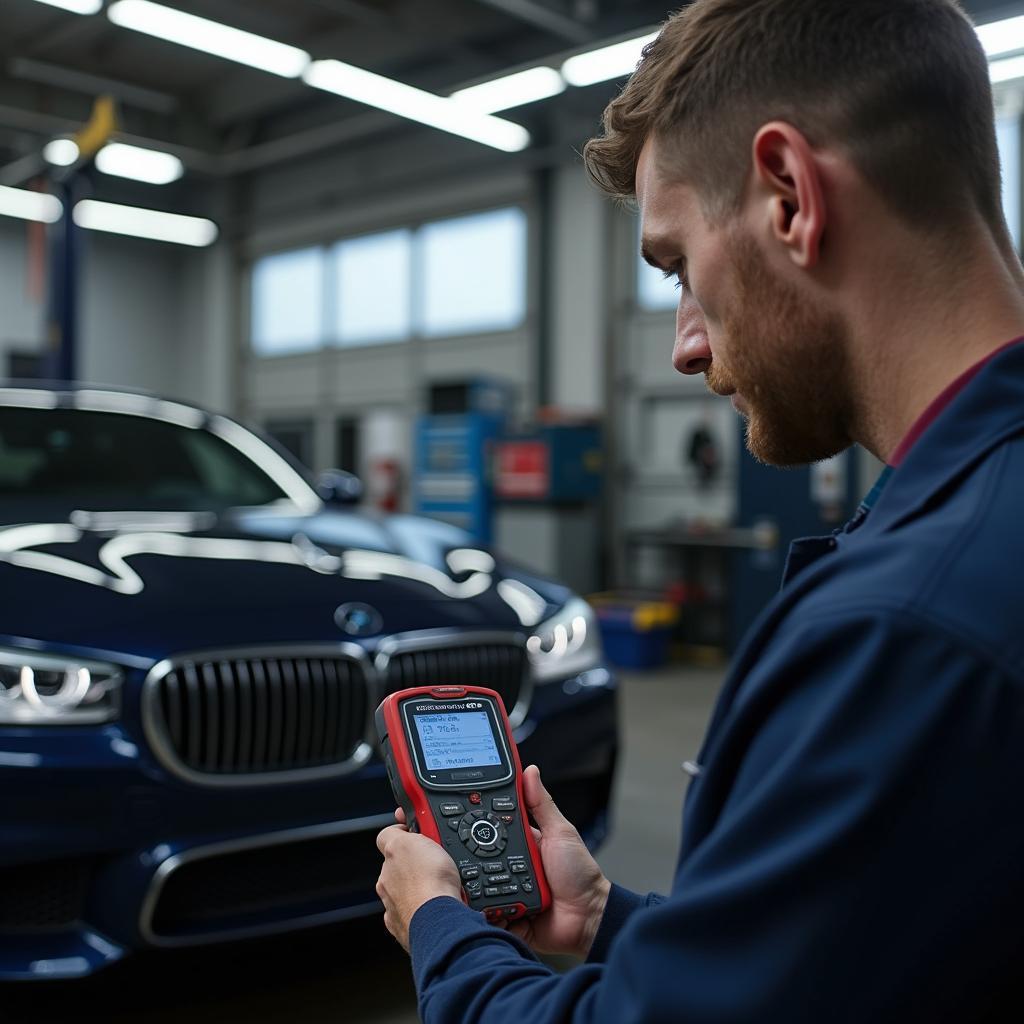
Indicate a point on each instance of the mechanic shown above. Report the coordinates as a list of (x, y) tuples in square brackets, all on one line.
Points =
[(822, 178)]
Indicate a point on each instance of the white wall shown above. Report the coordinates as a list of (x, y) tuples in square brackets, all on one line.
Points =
[(152, 316), (355, 381), (382, 383), (130, 318)]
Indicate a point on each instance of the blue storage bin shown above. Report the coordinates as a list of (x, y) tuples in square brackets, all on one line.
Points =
[(635, 631)]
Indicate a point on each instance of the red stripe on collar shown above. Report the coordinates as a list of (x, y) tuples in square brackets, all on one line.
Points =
[(935, 409)]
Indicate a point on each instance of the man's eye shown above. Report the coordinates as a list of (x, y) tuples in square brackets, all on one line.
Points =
[(679, 274)]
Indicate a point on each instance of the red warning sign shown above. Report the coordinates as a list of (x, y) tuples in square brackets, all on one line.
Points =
[(523, 470)]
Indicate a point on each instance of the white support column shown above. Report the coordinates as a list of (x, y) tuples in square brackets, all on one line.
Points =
[(208, 341), (579, 306)]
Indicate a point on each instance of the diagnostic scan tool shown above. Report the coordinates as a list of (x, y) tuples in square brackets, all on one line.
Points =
[(455, 771)]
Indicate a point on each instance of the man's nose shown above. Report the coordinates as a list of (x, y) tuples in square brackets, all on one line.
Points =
[(692, 352)]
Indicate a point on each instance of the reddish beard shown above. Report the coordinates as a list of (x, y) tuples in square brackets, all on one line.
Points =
[(787, 359)]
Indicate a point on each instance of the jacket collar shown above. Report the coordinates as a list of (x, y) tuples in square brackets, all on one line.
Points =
[(988, 411)]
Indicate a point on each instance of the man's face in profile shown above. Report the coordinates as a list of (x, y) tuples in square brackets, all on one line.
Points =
[(750, 331)]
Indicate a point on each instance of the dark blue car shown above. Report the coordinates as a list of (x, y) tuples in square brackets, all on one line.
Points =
[(193, 639)]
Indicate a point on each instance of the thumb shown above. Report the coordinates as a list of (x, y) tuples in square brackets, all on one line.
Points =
[(539, 802)]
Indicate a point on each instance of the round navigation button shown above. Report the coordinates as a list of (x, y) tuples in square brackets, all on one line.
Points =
[(484, 833)]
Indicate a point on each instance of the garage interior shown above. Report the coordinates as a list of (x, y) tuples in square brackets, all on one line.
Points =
[(464, 326)]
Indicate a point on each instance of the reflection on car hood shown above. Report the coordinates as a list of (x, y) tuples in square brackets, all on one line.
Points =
[(152, 583)]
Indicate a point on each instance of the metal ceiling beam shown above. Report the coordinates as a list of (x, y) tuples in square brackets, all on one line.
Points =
[(69, 32), (92, 85), (252, 158), (356, 11), (539, 16), (23, 169), (39, 123)]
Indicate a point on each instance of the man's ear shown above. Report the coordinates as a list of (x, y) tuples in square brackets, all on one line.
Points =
[(789, 178)]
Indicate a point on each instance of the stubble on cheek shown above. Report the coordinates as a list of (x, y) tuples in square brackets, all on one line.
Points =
[(787, 364)]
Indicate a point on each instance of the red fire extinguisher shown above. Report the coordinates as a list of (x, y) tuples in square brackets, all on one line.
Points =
[(384, 486)]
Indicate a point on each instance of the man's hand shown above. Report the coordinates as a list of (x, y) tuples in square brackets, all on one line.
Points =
[(579, 891), (415, 870)]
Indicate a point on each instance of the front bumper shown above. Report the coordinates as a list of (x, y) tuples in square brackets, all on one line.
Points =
[(104, 851)]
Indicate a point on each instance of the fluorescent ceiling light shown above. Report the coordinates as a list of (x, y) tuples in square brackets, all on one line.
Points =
[(61, 152), (1006, 70), (613, 61), (140, 223), (209, 36), (416, 104), (512, 90), (118, 158), (147, 165), (28, 205), (998, 37), (76, 6)]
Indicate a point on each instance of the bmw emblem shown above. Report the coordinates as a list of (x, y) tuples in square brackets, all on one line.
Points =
[(358, 619)]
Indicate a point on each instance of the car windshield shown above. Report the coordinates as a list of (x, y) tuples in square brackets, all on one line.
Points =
[(77, 459)]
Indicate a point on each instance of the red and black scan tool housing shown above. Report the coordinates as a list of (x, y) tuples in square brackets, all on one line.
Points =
[(455, 771)]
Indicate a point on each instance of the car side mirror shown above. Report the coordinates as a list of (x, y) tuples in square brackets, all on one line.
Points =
[(338, 487)]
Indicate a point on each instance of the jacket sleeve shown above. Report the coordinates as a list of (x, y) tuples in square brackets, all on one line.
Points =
[(621, 905), (862, 836)]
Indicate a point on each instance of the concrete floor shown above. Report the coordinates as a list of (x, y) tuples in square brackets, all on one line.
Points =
[(357, 973)]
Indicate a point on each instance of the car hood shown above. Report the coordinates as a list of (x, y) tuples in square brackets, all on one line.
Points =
[(155, 584)]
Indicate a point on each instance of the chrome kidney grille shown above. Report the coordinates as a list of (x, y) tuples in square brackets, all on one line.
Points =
[(498, 662), (233, 719), (258, 716)]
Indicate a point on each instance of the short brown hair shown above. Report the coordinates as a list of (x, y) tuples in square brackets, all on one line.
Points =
[(902, 85)]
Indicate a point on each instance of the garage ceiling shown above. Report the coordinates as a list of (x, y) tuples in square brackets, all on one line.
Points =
[(54, 63), (226, 120)]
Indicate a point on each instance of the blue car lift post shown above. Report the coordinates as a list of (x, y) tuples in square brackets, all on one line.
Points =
[(70, 185)]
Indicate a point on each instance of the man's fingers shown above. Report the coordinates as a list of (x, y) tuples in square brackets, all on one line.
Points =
[(399, 815), (387, 835)]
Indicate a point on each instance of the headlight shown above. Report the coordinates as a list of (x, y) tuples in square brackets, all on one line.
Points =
[(567, 644), (41, 689)]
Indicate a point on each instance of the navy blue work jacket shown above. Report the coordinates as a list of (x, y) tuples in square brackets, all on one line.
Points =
[(853, 849)]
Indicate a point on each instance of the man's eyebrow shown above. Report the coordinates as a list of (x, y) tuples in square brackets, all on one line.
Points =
[(648, 256)]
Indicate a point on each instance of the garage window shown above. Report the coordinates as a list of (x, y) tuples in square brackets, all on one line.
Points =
[(465, 275), (472, 273), (654, 291), (288, 302), (372, 283)]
